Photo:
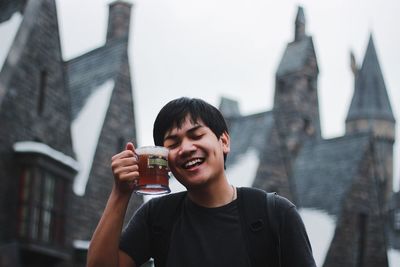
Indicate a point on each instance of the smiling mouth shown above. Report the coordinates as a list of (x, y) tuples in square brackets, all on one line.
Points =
[(192, 163)]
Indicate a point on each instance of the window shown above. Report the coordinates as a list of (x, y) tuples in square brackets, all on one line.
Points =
[(397, 219), (41, 211), (42, 91), (25, 183), (308, 127)]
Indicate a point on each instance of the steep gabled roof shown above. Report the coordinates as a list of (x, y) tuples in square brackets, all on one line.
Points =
[(87, 72), (10, 20), (370, 99), (295, 56), (324, 171), (14, 42), (91, 79), (298, 52)]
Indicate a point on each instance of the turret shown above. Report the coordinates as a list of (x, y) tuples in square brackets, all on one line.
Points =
[(370, 111), (370, 108), (296, 98)]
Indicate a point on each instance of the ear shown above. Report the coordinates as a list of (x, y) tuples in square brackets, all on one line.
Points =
[(226, 142)]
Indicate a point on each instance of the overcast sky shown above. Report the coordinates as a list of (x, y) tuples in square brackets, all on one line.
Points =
[(232, 48)]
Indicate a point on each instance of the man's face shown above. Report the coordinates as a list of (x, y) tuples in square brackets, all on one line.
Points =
[(196, 155)]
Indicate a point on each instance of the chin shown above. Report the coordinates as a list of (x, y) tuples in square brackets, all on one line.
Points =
[(196, 183)]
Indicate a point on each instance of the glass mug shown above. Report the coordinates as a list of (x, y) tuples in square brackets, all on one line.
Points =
[(153, 171)]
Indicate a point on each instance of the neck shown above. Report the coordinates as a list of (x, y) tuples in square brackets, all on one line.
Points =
[(213, 195)]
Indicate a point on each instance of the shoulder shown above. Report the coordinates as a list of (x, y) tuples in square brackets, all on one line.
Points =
[(255, 194), (283, 203)]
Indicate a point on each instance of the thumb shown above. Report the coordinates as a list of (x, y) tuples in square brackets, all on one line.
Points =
[(129, 146)]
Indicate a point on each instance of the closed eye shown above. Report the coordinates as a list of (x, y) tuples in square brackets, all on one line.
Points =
[(197, 136), (171, 145)]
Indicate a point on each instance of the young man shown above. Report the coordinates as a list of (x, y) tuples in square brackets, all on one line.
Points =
[(203, 226)]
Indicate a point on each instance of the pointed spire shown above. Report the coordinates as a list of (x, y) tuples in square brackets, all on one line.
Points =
[(300, 25), (370, 99)]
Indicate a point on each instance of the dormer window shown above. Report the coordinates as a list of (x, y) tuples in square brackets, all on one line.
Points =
[(44, 178), (41, 208)]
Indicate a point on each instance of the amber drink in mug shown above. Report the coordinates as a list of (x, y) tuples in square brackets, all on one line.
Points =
[(153, 171)]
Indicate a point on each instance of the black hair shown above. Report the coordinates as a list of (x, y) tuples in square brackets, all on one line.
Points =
[(174, 113)]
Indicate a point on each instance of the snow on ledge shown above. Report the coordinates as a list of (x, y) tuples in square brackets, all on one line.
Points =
[(394, 257), (40, 148), (81, 244), (320, 228), (8, 31)]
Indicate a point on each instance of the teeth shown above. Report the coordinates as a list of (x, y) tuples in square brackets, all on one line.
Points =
[(192, 163)]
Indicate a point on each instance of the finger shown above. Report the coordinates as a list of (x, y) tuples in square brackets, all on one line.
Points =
[(128, 177), (122, 162), (119, 170), (128, 169), (130, 146), (124, 154)]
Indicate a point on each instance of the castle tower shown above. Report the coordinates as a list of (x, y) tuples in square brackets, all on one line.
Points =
[(370, 111), (296, 98)]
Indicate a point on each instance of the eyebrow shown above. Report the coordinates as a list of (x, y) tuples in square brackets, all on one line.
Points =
[(190, 131)]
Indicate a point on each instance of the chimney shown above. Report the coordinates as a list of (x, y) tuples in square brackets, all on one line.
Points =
[(119, 17)]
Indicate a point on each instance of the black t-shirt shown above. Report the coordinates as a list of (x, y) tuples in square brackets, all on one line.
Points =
[(213, 236), (207, 237), (200, 237)]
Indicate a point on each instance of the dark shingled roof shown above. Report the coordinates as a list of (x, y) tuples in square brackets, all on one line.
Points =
[(248, 132), (295, 56), (370, 100), (324, 171), (9, 7), (229, 107), (85, 73)]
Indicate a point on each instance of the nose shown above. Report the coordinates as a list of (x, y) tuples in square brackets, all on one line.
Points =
[(186, 148)]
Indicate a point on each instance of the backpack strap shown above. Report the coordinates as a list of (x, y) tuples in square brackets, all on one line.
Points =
[(273, 221), (165, 212), (259, 221)]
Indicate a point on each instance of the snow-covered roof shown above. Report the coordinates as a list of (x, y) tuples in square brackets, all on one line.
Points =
[(8, 30), (86, 130), (81, 244), (40, 148), (394, 257), (316, 223)]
